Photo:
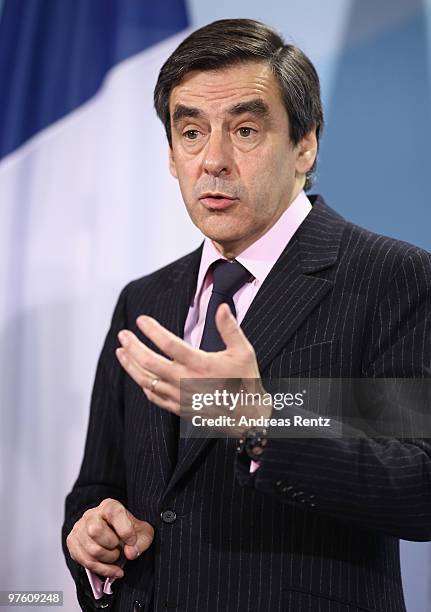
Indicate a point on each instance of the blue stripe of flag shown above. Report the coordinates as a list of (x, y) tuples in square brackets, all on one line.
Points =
[(54, 54)]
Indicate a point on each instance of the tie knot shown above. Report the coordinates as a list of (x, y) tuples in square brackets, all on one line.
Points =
[(228, 277)]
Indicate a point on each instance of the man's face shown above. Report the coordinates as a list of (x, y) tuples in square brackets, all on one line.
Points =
[(231, 152)]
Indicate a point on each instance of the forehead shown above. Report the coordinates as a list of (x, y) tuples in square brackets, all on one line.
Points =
[(219, 89)]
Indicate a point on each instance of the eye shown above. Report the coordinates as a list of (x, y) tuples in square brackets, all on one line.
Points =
[(191, 134), (246, 132)]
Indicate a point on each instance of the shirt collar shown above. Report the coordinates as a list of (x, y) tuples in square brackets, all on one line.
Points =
[(260, 256)]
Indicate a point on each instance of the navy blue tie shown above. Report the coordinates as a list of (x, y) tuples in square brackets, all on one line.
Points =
[(228, 278)]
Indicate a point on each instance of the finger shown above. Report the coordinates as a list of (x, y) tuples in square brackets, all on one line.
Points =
[(229, 329), (120, 520), (145, 379), (147, 359), (140, 375), (100, 532), (145, 536), (102, 569), (168, 342), (167, 404), (97, 552)]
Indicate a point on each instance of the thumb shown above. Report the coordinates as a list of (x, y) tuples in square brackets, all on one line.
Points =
[(144, 537), (229, 329)]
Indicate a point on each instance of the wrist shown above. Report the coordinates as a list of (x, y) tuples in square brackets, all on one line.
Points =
[(252, 443)]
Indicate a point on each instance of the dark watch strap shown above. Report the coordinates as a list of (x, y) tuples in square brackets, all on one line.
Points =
[(252, 443)]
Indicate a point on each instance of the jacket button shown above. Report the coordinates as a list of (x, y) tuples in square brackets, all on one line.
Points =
[(168, 516), (138, 606)]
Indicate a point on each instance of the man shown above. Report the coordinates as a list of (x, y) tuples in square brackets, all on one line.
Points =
[(284, 524)]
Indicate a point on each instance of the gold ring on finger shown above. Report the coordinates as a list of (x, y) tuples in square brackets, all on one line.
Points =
[(154, 383)]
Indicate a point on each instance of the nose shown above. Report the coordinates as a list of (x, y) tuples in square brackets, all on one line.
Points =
[(217, 156)]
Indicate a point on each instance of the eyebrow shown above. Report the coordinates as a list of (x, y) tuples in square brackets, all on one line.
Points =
[(186, 112), (255, 107)]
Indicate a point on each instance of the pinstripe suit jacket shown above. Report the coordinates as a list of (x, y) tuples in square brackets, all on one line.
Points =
[(340, 302)]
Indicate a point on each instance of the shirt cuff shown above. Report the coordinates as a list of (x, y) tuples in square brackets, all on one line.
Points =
[(98, 586), (103, 587), (254, 465)]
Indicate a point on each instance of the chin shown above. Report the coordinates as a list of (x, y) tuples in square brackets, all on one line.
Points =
[(221, 228), (223, 237)]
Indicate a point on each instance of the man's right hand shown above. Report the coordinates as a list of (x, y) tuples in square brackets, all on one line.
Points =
[(102, 533)]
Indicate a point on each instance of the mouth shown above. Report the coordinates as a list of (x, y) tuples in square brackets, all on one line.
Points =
[(217, 201)]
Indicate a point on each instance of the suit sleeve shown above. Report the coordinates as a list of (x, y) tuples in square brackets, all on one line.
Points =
[(376, 483), (102, 472)]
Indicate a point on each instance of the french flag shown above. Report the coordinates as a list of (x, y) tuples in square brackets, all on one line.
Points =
[(86, 204)]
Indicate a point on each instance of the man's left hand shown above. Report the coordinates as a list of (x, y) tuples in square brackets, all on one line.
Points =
[(160, 376)]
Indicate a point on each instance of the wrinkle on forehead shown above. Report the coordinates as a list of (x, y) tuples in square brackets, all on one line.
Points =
[(233, 83)]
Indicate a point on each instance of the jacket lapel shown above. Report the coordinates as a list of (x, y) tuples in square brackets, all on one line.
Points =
[(170, 310), (174, 302), (288, 295), (293, 288)]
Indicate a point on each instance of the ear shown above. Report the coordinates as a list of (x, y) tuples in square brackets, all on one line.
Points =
[(307, 151), (172, 165)]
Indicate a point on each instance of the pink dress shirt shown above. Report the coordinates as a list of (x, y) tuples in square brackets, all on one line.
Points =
[(259, 259)]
